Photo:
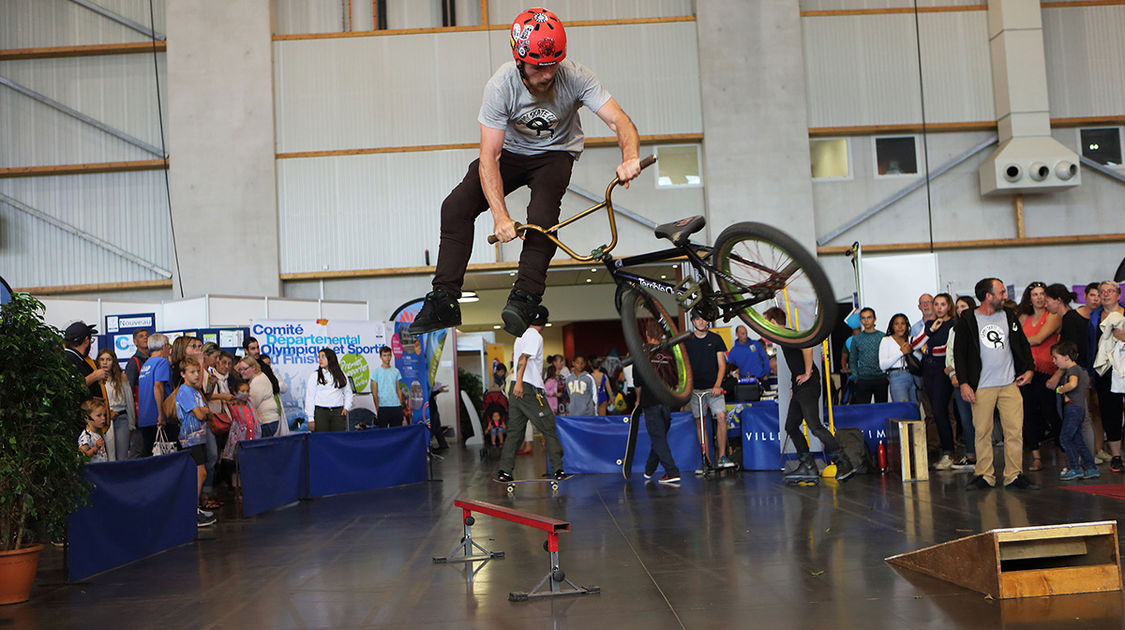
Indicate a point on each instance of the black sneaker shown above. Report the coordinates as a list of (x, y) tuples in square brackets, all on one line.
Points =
[(560, 474), (1115, 464), (504, 476), (1021, 482), (518, 312), (977, 483), (440, 310), (844, 468)]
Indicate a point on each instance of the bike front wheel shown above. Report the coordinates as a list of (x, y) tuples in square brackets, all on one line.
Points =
[(656, 347), (763, 267)]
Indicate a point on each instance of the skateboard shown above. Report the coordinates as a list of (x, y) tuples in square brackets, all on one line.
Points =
[(626, 462), (554, 483)]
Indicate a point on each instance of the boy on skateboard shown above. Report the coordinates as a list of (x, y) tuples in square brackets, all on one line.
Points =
[(528, 402)]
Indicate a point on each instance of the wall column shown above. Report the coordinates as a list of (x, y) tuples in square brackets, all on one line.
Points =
[(220, 134), (755, 117)]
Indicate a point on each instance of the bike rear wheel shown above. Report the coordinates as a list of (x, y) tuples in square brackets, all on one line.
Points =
[(659, 356), (767, 266)]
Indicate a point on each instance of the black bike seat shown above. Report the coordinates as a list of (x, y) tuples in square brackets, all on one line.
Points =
[(679, 231)]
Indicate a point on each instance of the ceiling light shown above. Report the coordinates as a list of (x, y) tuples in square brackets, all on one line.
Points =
[(663, 277), (548, 324), (468, 299), (594, 269), (496, 327), (512, 274), (589, 279)]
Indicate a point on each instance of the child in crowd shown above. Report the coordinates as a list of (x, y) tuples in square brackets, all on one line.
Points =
[(192, 413), (244, 423), (1071, 382), (90, 441), (496, 427)]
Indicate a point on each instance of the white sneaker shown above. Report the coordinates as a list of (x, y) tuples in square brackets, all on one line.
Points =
[(1102, 457), (945, 463)]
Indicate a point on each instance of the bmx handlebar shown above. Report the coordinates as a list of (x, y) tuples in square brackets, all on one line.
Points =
[(550, 232)]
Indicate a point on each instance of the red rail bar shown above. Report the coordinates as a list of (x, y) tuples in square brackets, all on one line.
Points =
[(544, 523)]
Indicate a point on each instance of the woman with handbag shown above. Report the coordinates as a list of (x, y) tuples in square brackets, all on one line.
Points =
[(935, 382), (896, 357)]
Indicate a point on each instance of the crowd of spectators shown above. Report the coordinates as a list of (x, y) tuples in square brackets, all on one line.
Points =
[(919, 363)]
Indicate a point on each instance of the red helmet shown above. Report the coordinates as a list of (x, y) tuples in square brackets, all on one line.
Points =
[(538, 38)]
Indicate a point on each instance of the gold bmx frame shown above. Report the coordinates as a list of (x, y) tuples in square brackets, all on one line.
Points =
[(550, 232)]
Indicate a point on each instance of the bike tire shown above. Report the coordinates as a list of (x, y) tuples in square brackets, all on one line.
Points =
[(666, 372), (754, 258)]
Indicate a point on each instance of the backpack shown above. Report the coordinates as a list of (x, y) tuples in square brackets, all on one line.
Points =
[(855, 448)]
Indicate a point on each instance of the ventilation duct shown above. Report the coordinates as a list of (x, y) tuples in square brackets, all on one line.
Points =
[(1028, 158)]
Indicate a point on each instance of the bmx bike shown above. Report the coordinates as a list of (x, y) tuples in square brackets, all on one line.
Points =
[(750, 268)]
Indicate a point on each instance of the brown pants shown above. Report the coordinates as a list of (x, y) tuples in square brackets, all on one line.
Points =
[(1009, 402), (547, 175)]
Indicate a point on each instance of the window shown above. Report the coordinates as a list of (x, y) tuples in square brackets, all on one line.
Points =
[(1102, 145), (896, 156), (678, 166), (830, 159)]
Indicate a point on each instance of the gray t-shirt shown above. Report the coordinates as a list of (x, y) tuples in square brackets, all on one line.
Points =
[(534, 126), (996, 366), (1076, 396)]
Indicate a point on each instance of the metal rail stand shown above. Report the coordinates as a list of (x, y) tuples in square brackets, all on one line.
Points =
[(555, 576), (467, 545)]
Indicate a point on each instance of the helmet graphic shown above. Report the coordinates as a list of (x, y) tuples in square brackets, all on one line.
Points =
[(538, 38)]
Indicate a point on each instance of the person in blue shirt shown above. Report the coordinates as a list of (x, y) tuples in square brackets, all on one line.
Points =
[(154, 383), (749, 356), (193, 413)]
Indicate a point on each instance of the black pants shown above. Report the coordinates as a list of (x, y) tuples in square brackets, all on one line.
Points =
[(547, 175), (148, 435), (436, 432), (805, 405), (1040, 413), (1110, 404), (939, 391), (388, 417), (658, 420), (329, 419), (864, 389)]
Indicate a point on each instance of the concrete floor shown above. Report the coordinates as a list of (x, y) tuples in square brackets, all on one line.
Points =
[(744, 551)]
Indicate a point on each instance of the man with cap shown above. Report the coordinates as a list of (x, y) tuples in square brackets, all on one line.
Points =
[(528, 402), (707, 354), (77, 340), (530, 135)]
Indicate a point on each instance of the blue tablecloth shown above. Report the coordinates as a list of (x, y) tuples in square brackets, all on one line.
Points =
[(595, 444), (762, 437), (366, 460), (137, 508)]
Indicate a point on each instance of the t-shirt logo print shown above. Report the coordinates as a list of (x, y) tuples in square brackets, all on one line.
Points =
[(539, 120), (993, 335)]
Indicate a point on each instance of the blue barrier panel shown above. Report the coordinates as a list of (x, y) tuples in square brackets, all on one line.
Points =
[(366, 460), (761, 436), (274, 472), (594, 444), (872, 419), (137, 508), (761, 440)]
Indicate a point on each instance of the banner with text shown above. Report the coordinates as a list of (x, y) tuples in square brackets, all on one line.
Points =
[(293, 346)]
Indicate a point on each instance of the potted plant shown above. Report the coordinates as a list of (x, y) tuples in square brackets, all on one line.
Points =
[(40, 466)]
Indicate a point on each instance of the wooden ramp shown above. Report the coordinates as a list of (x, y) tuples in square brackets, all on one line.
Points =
[(1026, 561)]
